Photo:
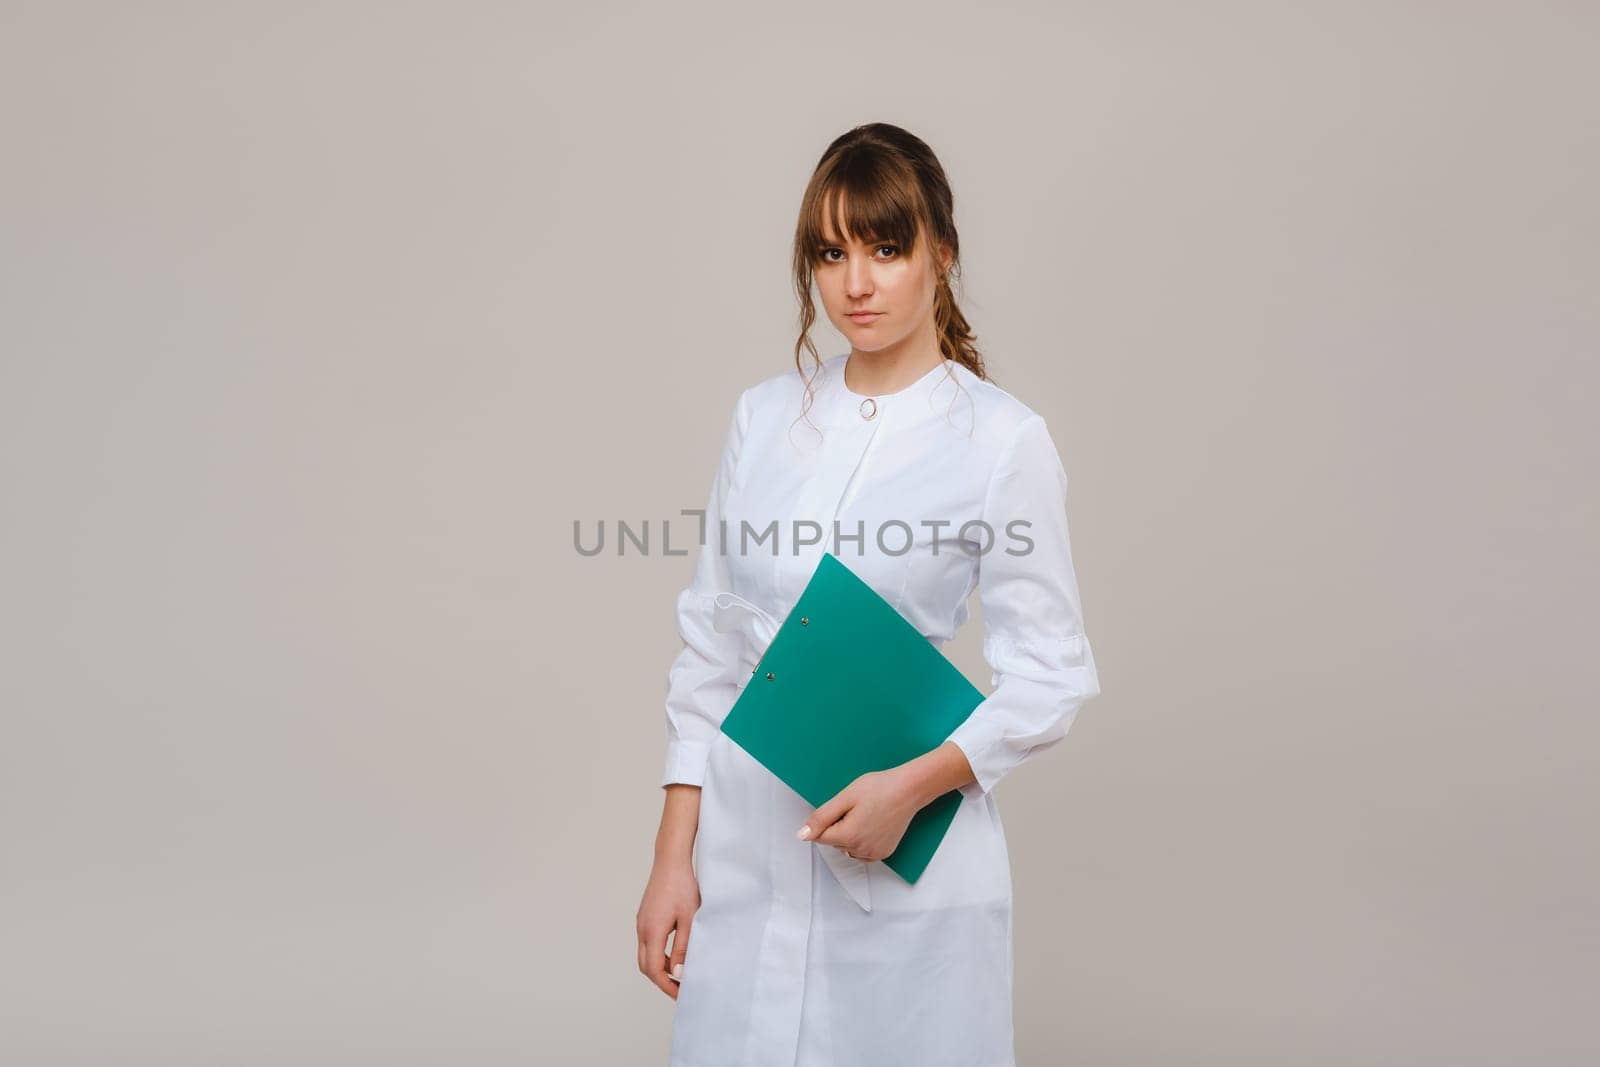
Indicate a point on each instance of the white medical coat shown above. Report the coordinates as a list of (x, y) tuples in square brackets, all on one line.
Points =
[(798, 955)]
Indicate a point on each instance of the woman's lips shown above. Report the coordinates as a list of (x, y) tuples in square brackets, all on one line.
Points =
[(866, 316)]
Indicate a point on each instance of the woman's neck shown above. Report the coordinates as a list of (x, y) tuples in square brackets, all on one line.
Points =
[(878, 373)]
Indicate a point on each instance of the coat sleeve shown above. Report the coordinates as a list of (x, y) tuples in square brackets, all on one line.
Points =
[(702, 682), (1034, 637)]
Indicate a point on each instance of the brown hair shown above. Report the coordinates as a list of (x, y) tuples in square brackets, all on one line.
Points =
[(893, 190)]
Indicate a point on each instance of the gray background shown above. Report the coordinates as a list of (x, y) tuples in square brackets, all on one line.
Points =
[(321, 324)]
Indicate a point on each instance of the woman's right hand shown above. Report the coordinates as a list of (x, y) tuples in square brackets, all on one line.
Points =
[(671, 898)]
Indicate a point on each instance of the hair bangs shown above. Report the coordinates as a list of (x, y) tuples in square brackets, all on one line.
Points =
[(868, 201)]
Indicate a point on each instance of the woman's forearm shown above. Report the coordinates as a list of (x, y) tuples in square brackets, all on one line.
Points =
[(933, 774), (680, 819), (929, 776)]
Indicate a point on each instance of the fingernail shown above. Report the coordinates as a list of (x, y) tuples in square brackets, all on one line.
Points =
[(804, 834), (677, 971)]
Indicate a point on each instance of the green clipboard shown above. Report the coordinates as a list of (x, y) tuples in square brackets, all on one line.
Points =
[(848, 686)]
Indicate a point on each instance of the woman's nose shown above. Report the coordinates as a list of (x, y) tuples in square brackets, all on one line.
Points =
[(857, 279)]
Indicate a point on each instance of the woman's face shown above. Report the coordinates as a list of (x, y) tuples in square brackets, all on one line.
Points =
[(877, 277)]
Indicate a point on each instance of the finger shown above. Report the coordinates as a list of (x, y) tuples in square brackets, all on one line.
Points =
[(649, 939), (653, 961), (825, 816), (840, 834), (680, 949)]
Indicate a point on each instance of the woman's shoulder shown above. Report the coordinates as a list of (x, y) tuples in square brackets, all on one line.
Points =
[(786, 386), (998, 414)]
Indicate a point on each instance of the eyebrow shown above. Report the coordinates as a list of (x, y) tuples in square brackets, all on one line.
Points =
[(867, 241)]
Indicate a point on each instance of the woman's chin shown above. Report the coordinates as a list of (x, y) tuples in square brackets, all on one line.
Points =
[(864, 338)]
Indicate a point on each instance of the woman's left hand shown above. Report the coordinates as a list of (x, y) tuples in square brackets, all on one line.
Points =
[(867, 818)]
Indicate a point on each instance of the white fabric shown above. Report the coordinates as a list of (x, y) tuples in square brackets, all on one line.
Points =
[(798, 955)]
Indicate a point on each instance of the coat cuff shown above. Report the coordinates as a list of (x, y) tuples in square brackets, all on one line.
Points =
[(686, 763), (977, 738)]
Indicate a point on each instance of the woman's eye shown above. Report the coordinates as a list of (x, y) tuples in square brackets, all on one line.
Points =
[(826, 254)]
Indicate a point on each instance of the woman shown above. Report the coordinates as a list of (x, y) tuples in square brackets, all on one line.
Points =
[(926, 479)]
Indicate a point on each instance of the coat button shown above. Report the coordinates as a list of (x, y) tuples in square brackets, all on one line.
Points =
[(869, 408)]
